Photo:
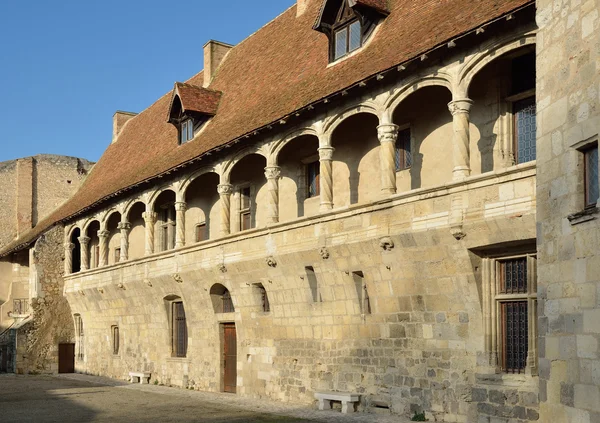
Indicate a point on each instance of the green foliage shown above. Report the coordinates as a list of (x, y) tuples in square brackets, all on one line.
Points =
[(156, 381), (419, 417)]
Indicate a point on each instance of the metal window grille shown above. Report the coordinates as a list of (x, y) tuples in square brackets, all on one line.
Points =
[(525, 130), (79, 334), (513, 276), (266, 307), (313, 171), (227, 302), (179, 335), (403, 156), (592, 190), (514, 321)]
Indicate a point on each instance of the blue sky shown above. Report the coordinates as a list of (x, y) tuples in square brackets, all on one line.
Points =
[(67, 65)]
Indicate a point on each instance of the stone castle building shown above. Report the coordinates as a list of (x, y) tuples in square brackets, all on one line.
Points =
[(391, 198), (32, 188)]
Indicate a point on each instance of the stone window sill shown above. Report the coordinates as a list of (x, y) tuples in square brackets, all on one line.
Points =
[(587, 214), (177, 360), (506, 379)]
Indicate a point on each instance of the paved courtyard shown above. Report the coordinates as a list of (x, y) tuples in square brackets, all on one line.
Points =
[(81, 398)]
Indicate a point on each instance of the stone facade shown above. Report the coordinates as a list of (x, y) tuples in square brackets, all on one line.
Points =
[(568, 83)]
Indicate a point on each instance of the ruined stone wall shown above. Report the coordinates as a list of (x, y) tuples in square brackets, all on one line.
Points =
[(416, 350), (568, 86), (8, 202)]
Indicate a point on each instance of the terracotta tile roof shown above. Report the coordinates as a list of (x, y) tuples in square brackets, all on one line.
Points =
[(380, 5), (197, 99), (277, 70)]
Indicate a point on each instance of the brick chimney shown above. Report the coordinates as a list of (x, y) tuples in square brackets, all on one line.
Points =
[(301, 6), (24, 194), (119, 120), (214, 53)]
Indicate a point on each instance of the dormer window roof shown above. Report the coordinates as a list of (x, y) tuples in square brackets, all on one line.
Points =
[(349, 23), (191, 106)]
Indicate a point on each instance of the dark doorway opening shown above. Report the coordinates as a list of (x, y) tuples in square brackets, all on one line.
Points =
[(66, 358)]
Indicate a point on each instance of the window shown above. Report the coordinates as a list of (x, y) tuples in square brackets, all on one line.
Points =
[(186, 131), (201, 232), (245, 209), (592, 191), (313, 284), (117, 255), (362, 292), (115, 339), (525, 131), (221, 299), (167, 227), (347, 39), (264, 298), (20, 306), (313, 170), (227, 302), (403, 156), (513, 302), (79, 336), (179, 335)]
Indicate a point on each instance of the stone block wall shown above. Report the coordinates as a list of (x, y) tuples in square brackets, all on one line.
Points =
[(568, 87), (416, 350)]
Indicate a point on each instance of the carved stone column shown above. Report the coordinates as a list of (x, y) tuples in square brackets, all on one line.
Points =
[(273, 173), (124, 228), (461, 140), (326, 177), (387, 134), (85, 256), (180, 208), (149, 221), (103, 244), (225, 191), (69, 246)]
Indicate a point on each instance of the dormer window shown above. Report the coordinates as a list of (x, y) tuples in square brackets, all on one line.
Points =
[(191, 108), (186, 131), (349, 23)]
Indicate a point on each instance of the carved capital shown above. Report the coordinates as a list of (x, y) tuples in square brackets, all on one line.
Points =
[(272, 172), (124, 226), (103, 234), (180, 206), (387, 133), (460, 106), (149, 217), (326, 153), (224, 189), (83, 240)]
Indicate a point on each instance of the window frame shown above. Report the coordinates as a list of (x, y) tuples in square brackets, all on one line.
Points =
[(586, 175), (317, 176), (402, 156), (204, 231), (186, 130), (243, 211), (514, 100), (79, 336), (115, 339), (166, 227), (345, 27), (176, 320), (493, 312)]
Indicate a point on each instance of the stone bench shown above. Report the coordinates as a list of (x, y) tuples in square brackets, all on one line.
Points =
[(139, 377), (325, 399)]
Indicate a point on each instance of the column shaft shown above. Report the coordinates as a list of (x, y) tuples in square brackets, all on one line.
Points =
[(149, 221), (103, 245), (326, 177), (461, 139), (225, 191), (124, 228), (69, 246), (180, 208), (273, 173), (85, 256), (388, 134)]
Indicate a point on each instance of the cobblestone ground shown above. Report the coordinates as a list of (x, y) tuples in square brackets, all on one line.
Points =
[(82, 398)]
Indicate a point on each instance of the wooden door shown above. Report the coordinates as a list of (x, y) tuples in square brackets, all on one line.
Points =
[(66, 358), (229, 358)]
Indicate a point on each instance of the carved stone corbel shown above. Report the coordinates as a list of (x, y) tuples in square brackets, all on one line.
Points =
[(324, 252), (222, 268), (386, 243), (177, 278), (271, 262)]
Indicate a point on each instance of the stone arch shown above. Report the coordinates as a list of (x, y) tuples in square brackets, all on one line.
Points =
[(228, 165), (88, 222), (440, 79), (128, 205), (221, 299), (185, 182), (107, 215), (70, 229), (479, 61), (368, 107), (278, 145), (154, 195)]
